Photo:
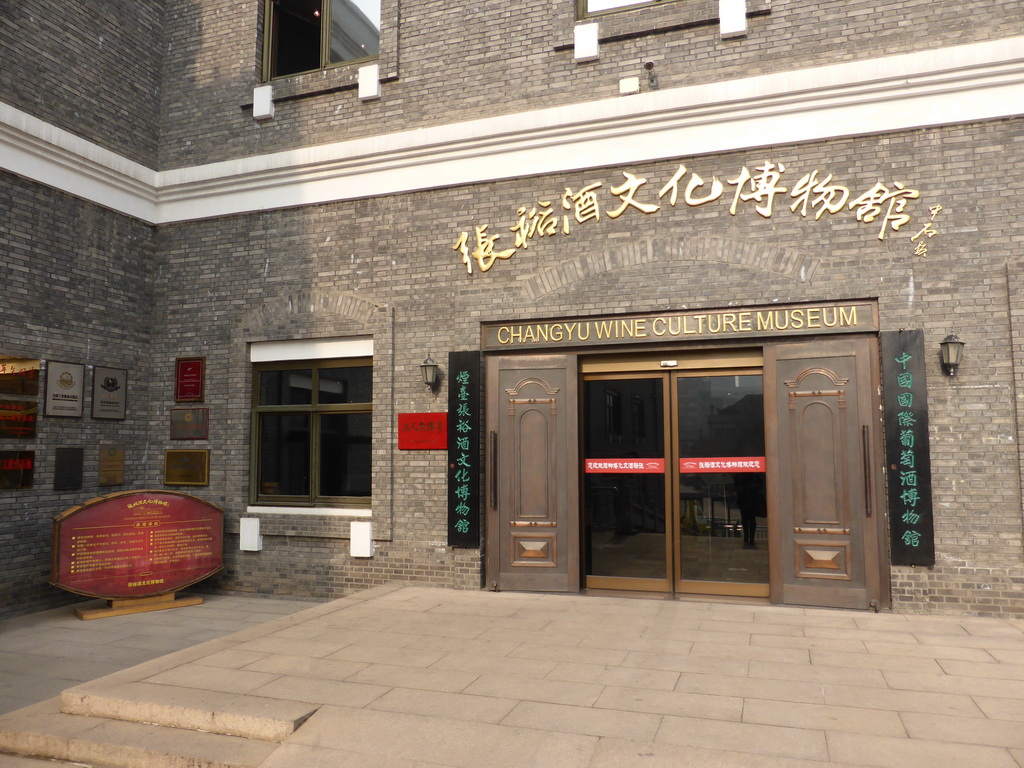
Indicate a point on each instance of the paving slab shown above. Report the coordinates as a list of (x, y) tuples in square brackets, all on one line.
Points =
[(415, 677), (618, 753), (778, 741), (889, 752), (44, 653), (439, 741)]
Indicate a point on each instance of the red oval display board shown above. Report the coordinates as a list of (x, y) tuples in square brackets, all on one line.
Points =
[(137, 544)]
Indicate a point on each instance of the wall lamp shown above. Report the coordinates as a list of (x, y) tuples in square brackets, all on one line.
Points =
[(952, 351), (429, 369)]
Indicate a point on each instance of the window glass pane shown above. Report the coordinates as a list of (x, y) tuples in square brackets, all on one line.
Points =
[(595, 6), (625, 511), (295, 36), (284, 454), (722, 418), (345, 454), (346, 385), (286, 387), (355, 29)]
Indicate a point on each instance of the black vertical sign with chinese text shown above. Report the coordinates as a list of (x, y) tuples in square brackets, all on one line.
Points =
[(906, 448), (464, 509)]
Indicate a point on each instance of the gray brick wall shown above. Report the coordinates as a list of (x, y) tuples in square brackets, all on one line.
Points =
[(90, 67), (89, 286), (343, 269), (77, 288), (491, 58)]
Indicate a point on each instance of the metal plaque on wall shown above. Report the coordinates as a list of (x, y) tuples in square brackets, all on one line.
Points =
[(464, 474), (64, 388), (907, 457), (109, 392), (67, 469)]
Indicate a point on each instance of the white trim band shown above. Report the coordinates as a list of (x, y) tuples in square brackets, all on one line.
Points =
[(309, 349), (968, 83), (357, 512)]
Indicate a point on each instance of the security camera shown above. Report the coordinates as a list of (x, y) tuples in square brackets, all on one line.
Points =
[(652, 79)]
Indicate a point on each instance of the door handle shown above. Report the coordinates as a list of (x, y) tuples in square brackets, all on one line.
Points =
[(866, 446), (493, 484)]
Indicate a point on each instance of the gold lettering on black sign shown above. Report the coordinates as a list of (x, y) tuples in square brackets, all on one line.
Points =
[(832, 318)]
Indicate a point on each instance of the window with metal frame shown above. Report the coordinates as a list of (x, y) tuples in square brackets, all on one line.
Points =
[(312, 428), (308, 35)]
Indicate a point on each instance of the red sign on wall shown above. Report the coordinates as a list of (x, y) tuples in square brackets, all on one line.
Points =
[(422, 431), (137, 544), (722, 464), (189, 379)]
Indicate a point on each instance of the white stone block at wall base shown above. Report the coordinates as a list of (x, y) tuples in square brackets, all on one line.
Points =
[(585, 45), (249, 538), (369, 82), (361, 539), (732, 16), (263, 102)]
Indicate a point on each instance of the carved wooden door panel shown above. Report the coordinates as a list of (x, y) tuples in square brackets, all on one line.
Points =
[(823, 430), (532, 485)]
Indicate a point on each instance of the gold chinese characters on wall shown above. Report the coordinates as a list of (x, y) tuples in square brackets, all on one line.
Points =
[(814, 194)]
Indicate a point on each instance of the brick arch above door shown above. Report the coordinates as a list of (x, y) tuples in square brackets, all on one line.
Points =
[(786, 262)]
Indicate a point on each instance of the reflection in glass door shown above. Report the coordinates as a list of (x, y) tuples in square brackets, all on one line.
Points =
[(674, 482), (624, 491), (721, 484)]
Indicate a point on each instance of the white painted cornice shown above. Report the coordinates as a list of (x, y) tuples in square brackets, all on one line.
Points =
[(42, 152), (980, 81)]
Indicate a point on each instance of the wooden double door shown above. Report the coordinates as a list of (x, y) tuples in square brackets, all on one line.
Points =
[(742, 472)]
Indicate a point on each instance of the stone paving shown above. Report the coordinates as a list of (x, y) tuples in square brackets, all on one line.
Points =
[(413, 677), (42, 654)]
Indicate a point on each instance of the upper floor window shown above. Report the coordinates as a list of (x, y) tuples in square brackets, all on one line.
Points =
[(307, 35)]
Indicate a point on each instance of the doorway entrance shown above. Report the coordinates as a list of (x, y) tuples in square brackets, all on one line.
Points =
[(731, 471), (673, 468)]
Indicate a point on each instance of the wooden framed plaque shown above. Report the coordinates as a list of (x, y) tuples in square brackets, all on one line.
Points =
[(64, 388), (190, 423), (189, 379), (186, 467), (136, 544), (109, 392)]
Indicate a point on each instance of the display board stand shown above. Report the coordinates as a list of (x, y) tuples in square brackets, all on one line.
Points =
[(127, 605)]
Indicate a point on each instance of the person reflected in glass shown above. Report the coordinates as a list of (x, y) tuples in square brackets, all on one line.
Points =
[(751, 501)]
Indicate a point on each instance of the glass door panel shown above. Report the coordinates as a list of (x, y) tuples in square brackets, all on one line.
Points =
[(721, 483), (624, 485)]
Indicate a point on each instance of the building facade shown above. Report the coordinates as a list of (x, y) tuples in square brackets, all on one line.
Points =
[(685, 268)]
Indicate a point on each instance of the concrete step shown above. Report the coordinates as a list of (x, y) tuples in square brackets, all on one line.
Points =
[(229, 714), (44, 731), (17, 761)]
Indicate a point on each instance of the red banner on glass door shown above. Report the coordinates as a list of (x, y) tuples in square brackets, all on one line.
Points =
[(722, 464), (623, 466)]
